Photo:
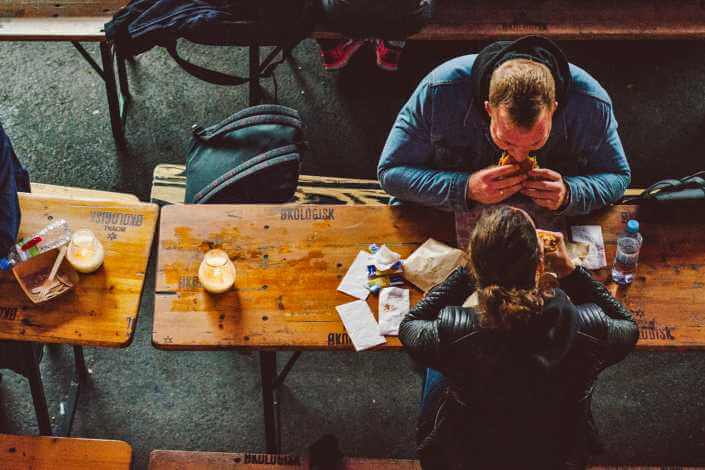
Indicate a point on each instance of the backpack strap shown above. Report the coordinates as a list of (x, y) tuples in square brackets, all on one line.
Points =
[(202, 73), (687, 188)]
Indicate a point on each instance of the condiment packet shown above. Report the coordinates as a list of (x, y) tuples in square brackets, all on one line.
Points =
[(393, 306), (592, 235), (355, 280), (431, 263), (360, 325)]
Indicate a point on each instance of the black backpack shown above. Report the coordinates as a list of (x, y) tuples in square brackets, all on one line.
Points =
[(144, 24), (253, 156)]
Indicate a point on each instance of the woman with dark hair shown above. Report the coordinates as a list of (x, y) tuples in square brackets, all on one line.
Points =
[(509, 382)]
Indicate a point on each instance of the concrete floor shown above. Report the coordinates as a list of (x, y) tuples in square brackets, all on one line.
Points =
[(650, 408)]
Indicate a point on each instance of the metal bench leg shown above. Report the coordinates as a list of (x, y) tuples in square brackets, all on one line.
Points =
[(255, 92), (34, 376), (116, 121), (67, 408), (122, 75)]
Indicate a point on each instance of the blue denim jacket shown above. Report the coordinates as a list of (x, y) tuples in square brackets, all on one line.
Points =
[(440, 137)]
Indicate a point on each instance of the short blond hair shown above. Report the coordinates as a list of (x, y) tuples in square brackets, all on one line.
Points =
[(524, 88)]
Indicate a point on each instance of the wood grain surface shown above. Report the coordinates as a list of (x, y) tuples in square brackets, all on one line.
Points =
[(53, 29), (182, 460), (288, 271), (289, 262), (562, 19), (52, 453), (102, 310), (667, 297)]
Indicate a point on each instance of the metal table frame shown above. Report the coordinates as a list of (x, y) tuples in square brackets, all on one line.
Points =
[(24, 358)]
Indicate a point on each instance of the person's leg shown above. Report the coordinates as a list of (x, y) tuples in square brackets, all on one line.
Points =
[(432, 382), (388, 54), (13, 178)]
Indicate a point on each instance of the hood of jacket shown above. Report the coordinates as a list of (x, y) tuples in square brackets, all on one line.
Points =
[(535, 48)]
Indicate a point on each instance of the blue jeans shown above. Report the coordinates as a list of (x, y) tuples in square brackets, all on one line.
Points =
[(13, 178), (434, 381)]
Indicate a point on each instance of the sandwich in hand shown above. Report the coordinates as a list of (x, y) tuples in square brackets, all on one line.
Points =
[(528, 164), (549, 241)]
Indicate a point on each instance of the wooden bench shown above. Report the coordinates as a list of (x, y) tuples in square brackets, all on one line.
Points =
[(169, 187), (181, 460), (51, 453), (82, 21), (76, 21), (461, 20)]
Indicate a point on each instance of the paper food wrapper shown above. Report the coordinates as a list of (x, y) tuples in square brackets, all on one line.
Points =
[(592, 236), (431, 263), (393, 307)]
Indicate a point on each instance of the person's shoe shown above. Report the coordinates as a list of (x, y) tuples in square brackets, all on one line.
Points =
[(388, 55), (338, 56)]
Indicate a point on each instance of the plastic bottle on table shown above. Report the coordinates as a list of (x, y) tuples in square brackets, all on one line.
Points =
[(627, 257), (52, 236)]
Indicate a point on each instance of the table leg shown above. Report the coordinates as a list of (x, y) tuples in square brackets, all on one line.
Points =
[(268, 372), (34, 376)]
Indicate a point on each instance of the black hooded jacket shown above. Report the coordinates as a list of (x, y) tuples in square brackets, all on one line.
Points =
[(535, 48), (517, 399)]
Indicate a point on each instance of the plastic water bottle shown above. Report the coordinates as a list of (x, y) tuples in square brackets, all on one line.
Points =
[(628, 246), (52, 236)]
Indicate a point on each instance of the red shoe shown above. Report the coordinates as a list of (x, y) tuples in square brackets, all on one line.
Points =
[(388, 56), (339, 55)]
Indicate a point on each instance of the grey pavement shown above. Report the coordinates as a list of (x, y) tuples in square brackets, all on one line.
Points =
[(649, 408)]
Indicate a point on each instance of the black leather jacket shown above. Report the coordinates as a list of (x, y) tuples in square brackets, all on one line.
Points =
[(514, 399)]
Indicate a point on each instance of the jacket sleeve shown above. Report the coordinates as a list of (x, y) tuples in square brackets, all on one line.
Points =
[(599, 309), (607, 171), (10, 175), (418, 331), (405, 167)]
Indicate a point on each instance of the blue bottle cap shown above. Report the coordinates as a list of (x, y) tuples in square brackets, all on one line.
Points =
[(5, 264), (633, 226)]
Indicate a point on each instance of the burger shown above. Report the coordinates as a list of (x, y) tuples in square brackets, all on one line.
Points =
[(525, 166), (549, 241)]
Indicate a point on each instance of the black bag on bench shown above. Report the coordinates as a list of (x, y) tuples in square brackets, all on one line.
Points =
[(144, 24), (685, 192), (251, 157)]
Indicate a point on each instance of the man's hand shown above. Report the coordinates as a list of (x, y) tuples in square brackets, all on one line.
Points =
[(493, 185), (546, 188)]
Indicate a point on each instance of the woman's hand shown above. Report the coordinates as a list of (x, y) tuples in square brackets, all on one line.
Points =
[(557, 259)]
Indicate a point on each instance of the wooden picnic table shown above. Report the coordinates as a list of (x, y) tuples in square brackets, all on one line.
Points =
[(49, 453), (100, 311), (290, 259)]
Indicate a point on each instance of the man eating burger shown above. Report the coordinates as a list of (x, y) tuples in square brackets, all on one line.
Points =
[(521, 100)]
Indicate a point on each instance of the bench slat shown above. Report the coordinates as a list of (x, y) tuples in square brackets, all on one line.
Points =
[(562, 19), (183, 460), (89, 29), (50, 453), (169, 187)]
